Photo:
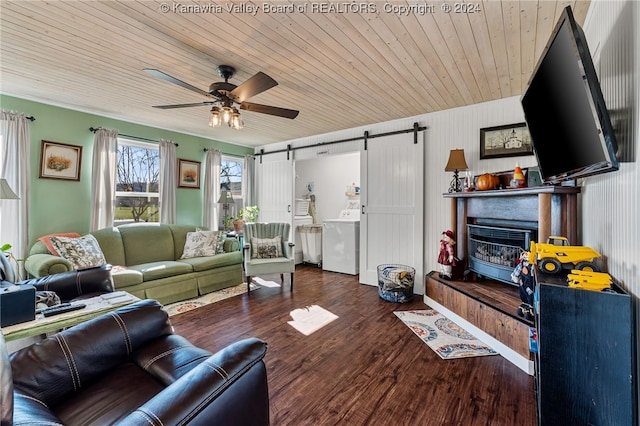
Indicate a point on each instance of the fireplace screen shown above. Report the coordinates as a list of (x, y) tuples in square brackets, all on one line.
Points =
[(495, 251)]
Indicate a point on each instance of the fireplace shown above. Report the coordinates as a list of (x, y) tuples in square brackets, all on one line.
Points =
[(494, 227), (495, 251)]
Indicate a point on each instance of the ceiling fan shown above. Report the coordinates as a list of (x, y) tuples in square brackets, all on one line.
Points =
[(224, 96)]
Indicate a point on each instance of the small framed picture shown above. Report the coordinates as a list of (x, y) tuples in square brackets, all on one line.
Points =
[(60, 161), (188, 174), (505, 141)]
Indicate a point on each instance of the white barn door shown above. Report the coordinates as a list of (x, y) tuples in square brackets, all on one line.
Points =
[(392, 225), (274, 188)]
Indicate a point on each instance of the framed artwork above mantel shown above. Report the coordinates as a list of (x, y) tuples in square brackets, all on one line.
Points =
[(511, 140)]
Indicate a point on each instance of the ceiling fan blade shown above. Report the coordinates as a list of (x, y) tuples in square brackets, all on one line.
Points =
[(183, 105), (170, 79), (256, 84), (271, 110)]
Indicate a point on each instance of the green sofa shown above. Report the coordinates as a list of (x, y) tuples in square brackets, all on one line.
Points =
[(146, 262)]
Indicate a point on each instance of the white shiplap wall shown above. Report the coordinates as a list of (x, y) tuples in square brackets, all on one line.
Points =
[(611, 202)]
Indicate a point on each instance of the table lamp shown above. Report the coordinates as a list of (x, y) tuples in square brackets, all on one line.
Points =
[(456, 163), (225, 199)]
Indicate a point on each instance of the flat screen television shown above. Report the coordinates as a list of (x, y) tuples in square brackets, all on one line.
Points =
[(570, 128)]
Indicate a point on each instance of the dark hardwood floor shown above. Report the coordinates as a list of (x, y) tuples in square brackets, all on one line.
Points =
[(364, 368)]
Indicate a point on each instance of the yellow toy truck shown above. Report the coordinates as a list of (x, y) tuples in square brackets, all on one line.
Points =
[(588, 280), (558, 254)]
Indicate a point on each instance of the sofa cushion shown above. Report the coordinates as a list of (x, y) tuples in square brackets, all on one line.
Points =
[(109, 407), (205, 263), (179, 233), (203, 243), (125, 277), (110, 242), (147, 243), (156, 270), (83, 252)]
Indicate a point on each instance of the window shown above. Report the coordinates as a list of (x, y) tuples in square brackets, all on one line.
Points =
[(231, 169), (231, 175), (137, 196)]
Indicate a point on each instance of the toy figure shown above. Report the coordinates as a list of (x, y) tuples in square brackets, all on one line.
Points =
[(446, 259), (523, 276)]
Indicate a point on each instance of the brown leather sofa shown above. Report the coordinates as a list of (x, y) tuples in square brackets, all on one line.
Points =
[(128, 368)]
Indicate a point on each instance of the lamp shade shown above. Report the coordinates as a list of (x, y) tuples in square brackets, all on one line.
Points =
[(6, 193), (456, 161), (226, 198)]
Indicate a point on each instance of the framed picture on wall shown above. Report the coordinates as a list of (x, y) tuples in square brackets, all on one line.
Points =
[(188, 174), (60, 161), (505, 141)]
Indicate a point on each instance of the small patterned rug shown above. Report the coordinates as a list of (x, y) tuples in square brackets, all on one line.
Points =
[(446, 338), (187, 305)]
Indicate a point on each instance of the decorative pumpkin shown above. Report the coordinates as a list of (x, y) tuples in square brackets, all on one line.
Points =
[(487, 181)]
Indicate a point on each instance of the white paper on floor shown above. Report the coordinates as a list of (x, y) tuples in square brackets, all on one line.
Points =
[(310, 318), (265, 283)]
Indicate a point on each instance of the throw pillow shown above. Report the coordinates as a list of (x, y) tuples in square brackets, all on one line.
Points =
[(266, 248), (83, 252), (46, 240), (203, 243)]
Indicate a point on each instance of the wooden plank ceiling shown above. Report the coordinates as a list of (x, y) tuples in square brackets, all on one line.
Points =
[(342, 67)]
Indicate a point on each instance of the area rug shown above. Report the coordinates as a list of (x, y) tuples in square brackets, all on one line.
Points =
[(310, 319), (446, 338), (216, 296)]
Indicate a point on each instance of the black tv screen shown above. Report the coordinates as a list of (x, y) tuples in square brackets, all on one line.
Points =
[(564, 109)]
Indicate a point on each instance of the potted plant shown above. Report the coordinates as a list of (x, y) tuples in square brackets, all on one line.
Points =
[(246, 214), (227, 221)]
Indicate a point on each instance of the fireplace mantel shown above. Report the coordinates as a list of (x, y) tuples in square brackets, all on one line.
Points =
[(550, 210)]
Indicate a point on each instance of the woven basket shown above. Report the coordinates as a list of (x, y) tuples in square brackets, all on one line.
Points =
[(395, 282)]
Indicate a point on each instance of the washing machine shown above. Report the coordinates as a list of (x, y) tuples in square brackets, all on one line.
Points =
[(341, 243)]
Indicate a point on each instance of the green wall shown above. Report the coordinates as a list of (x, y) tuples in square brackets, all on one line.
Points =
[(65, 206)]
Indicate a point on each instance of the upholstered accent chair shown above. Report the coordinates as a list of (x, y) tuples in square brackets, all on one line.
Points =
[(127, 367), (267, 250)]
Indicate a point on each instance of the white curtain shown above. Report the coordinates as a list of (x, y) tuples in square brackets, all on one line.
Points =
[(248, 185), (168, 180), (211, 210), (15, 168), (103, 186)]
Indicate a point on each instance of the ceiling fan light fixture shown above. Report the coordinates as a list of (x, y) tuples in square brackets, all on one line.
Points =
[(226, 114), (236, 120), (214, 119), (224, 95)]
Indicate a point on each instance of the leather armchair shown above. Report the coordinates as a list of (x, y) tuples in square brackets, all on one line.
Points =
[(68, 286), (128, 368)]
